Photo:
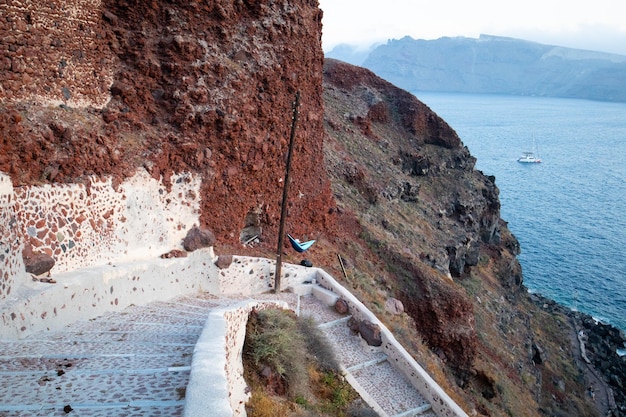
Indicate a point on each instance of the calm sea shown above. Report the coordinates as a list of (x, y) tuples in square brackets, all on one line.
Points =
[(568, 212)]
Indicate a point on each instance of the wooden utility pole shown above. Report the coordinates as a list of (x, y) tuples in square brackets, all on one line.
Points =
[(283, 210)]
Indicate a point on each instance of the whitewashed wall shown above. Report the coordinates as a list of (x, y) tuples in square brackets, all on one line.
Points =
[(106, 243)]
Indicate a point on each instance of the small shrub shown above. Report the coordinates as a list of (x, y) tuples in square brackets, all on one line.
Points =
[(264, 406), (317, 344), (273, 340), (297, 350)]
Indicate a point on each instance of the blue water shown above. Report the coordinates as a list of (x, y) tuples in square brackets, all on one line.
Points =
[(569, 212)]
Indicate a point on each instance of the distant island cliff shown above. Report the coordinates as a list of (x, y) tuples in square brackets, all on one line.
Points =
[(496, 65)]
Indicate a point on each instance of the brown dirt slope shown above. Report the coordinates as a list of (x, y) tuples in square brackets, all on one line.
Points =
[(433, 224)]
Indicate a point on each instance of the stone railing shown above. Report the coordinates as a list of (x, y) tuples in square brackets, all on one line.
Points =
[(251, 276), (216, 382)]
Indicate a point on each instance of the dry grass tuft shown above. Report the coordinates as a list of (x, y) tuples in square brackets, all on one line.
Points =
[(297, 351)]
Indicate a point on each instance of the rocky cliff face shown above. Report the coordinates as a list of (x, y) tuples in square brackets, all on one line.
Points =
[(203, 87), (499, 65), (108, 87), (431, 224)]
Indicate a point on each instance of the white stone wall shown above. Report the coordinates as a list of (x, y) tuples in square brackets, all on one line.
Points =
[(441, 403), (85, 225), (249, 276), (96, 233), (91, 292), (11, 266), (216, 382)]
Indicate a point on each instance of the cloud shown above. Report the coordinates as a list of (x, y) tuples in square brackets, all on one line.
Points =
[(585, 25)]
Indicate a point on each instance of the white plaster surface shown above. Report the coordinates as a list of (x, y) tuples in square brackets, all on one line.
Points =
[(90, 292), (12, 272), (249, 276), (93, 224), (82, 226)]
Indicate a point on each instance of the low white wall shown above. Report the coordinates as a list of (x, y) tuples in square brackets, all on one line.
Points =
[(216, 385), (90, 292), (440, 401), (248, 276)]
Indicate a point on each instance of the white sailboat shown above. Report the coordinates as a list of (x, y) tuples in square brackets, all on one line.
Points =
[(529, 157)]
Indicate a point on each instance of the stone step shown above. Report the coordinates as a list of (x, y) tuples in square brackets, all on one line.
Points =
[(133, 409), (153, 336), (91, 388), (131, 363), (92, 362), (115, 325), (389, 388), (60, 348), (137, 362), (382, 385)]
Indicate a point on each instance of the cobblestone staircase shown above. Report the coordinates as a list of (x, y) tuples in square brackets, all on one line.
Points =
[(137, 363), (132, 363), (366, 367)]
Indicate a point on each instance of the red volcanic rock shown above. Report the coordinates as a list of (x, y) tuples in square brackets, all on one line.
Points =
[(198, 238), (201, 87), (38, 263), (445, 316), (224, 261), (341, 306), (414, 116), (394, 306)]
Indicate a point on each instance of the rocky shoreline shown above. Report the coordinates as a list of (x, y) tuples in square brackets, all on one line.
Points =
[(596, 346)]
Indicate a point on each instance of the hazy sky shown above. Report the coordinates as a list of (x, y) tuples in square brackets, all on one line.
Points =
[(585, 24)]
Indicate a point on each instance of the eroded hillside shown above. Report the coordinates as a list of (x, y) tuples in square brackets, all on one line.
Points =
[(433, 222)]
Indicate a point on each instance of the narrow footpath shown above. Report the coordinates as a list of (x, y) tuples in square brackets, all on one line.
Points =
[(130, 363), (137, 362)]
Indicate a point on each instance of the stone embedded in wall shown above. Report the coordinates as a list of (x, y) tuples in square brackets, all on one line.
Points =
[(198, 238), (224, 261)]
